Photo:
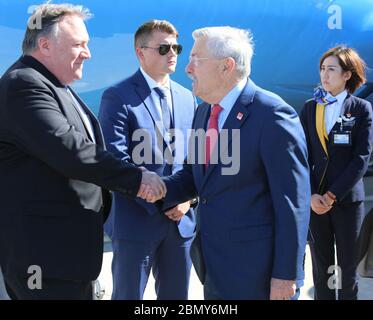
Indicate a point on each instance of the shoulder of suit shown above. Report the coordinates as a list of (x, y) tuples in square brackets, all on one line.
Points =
[(179, 87), (267, 98), (309, 104), (25, 76), (122, 87), (271, 102), (359, 101)]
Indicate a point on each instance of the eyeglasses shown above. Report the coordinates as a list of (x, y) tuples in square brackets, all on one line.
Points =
[(194, 60), (165, 48)]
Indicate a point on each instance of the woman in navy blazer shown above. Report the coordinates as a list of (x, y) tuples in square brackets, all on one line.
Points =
[(339, 134)]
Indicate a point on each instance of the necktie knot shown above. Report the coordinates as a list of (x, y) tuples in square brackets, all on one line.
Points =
[(161, 91), (321, 96), (215, 111)]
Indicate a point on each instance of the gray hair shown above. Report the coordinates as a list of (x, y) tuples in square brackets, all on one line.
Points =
[(224, 42), (44, 22)]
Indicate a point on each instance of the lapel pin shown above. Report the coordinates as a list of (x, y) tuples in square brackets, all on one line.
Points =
[(239, 116)]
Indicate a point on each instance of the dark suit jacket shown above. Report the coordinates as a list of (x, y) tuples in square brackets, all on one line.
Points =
[(127, 108), (344, 168), (52, 177), (252, 221)]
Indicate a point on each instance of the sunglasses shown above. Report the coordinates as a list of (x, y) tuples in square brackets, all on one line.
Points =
[(165, 48)]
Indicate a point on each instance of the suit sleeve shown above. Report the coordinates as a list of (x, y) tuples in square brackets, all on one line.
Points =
[(305, 124), (40, 129), (284, 154), (113, 117), (361, 155), (181, 186), (114, 120)]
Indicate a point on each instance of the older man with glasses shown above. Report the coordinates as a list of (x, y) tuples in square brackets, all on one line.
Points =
[(150, 105), (253, 213)]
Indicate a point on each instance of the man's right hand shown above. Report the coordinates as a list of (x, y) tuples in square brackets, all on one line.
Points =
[(319, 205), (152, 187)]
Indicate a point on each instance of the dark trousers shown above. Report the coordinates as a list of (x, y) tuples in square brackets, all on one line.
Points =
[(52, 289), (169, 258), (340, 226)]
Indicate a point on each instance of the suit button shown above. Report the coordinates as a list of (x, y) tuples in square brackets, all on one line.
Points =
[(204, 201)]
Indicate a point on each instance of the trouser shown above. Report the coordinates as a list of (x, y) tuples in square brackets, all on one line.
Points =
[(169, 258), (340, 226), (18, 288)]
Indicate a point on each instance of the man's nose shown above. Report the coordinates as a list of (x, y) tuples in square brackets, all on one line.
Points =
[(86, 53), (188, 68)]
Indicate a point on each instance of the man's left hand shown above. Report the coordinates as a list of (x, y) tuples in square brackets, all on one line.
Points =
[(282, 289), (178, 212)]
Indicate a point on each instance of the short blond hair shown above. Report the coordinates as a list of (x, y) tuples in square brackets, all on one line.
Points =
[(145, 31)]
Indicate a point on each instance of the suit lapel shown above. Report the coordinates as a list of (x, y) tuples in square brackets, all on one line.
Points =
[(200, 123), (95, 124), (346, 108), (177, 102), (143, 91)]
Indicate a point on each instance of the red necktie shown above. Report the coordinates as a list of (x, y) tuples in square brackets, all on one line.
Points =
[(212, 132)]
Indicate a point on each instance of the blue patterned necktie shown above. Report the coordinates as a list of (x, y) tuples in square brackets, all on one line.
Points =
[(166, 111), (320, 96)]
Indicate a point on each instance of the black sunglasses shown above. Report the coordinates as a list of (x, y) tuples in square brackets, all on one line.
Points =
[(165, 48)]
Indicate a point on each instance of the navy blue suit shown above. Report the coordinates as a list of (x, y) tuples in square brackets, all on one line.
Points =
[(252, 224), (143, 237), (341, 172)]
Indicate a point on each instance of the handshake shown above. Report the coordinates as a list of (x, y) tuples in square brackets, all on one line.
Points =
[(152, 187)]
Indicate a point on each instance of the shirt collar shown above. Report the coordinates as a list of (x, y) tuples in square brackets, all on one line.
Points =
[(230, 99), (152, 83), (340, 96)]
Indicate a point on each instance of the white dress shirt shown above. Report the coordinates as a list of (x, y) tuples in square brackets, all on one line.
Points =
[(334, 111), (87, 122), (154, 95), (228, 102)]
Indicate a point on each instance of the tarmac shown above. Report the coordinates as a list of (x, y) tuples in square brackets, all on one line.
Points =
[(196, 289)]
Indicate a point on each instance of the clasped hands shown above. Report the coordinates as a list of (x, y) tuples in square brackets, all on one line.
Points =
[(321, 204), (152, 187)]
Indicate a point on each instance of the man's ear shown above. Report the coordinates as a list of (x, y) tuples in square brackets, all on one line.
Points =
[(229, 65), (139, 53), (44, 46)]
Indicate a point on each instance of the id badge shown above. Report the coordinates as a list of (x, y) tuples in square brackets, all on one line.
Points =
[(341, 138)]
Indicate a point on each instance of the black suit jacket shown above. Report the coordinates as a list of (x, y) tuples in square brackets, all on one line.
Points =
[(53, 178), (342, 170)]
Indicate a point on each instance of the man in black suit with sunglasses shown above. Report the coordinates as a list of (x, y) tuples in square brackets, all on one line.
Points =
[(138, 116)]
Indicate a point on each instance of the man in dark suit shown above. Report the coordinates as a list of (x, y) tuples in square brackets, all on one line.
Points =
[(55, 171), (253, 187), (140, 232)]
